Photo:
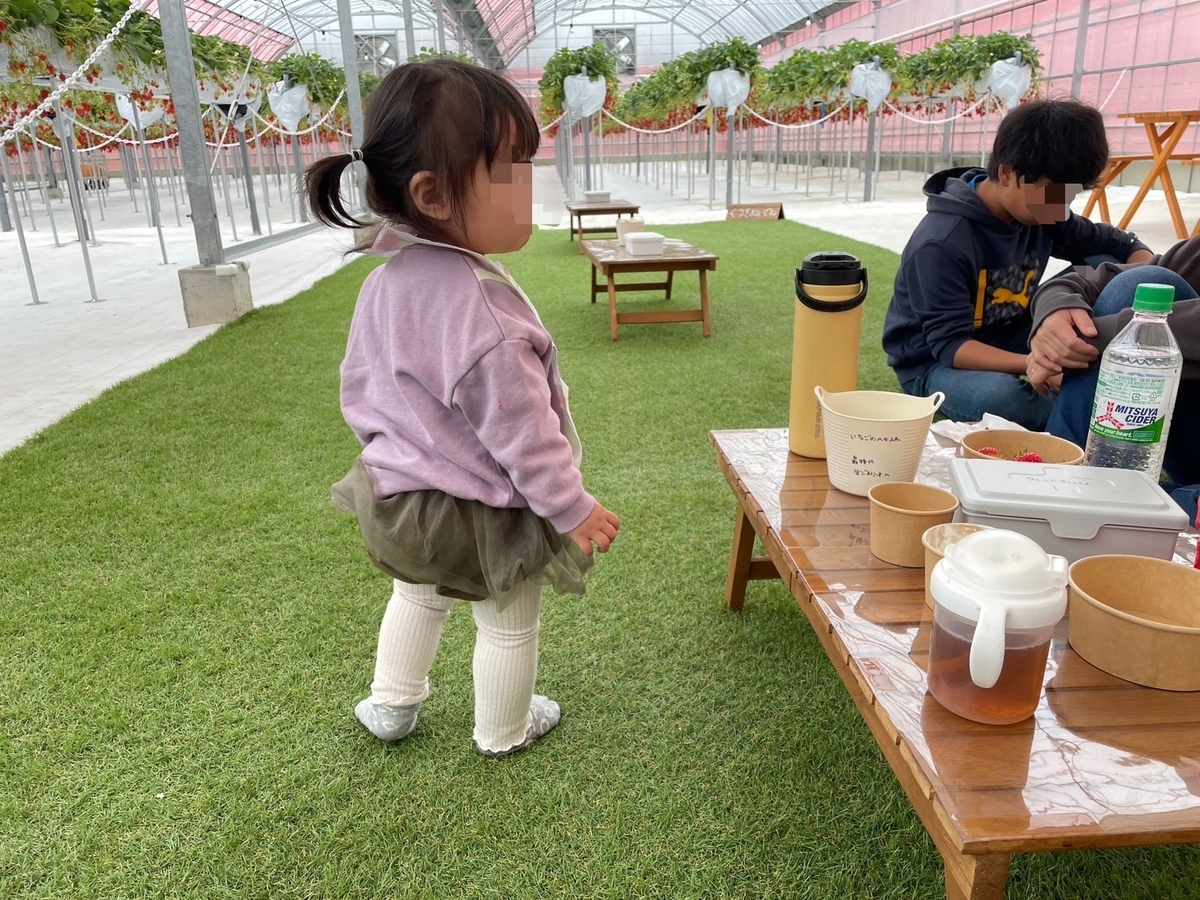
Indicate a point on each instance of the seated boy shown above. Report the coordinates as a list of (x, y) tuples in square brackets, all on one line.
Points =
[(959, 317), (1075, 316)]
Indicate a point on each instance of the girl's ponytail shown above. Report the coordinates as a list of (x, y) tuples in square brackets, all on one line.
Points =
[(323, 191)]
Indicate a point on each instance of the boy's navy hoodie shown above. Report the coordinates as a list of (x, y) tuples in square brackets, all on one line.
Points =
[(967, 275)]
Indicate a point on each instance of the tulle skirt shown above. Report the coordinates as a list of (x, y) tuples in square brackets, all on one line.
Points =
[(465, 548)]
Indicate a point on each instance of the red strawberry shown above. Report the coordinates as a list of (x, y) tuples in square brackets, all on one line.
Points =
[(1028, 456), (988, 451)]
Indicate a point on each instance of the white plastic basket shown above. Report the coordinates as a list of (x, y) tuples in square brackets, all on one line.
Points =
[(874, 436)]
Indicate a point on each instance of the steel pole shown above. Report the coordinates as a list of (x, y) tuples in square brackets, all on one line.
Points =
[(16, 214), (185, 94)]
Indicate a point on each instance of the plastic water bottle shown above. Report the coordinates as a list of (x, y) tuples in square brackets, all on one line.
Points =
[(1135, 394)]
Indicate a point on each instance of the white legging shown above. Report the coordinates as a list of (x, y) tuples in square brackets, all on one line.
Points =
[(505, 664)]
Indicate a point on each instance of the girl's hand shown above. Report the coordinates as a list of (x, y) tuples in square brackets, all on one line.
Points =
[(600, 528)]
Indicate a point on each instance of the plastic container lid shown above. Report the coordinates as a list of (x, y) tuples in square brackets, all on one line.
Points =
[(1156, 298), (1003, 567), (1076, 501), (643, 237), (1002, 581), (830, 267)]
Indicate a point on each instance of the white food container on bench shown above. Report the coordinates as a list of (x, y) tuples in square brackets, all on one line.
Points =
[(644, 243), (1071, 511), (597, 196)]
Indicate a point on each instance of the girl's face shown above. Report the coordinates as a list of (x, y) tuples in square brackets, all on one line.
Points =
[(499, 205)]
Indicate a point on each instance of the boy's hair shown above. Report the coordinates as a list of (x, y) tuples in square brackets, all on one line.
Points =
[(1062, 140), (439, 116)]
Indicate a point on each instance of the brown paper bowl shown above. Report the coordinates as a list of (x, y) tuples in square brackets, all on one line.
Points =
[(901, 512), (936, 540), (1137, 618), (1011, 442)]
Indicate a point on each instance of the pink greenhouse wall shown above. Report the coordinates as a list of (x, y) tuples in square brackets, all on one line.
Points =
[(1138, 54)]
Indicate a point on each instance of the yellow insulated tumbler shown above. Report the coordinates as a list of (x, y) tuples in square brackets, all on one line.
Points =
[(830, 290)]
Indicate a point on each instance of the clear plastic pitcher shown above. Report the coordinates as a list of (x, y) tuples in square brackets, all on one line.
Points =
[(997, 597)]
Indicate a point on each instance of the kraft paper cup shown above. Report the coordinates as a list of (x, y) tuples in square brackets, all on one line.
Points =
[(936, 540), (901, 512)]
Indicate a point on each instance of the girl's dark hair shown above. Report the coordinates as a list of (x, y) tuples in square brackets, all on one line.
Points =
[(1062, 140), (439, 116)]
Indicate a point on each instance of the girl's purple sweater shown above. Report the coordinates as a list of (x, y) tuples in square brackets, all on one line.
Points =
[(451, 382)]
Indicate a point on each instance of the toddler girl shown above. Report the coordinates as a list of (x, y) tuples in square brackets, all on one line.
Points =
[(468, 485)]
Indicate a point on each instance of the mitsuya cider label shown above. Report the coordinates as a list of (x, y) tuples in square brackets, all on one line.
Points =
[(1131, 404)]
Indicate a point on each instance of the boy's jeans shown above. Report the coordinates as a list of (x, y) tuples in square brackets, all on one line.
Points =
[(970, 394), (1073, 411)]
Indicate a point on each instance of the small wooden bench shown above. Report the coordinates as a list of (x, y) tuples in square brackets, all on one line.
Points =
[(611, 259), (1116, 165)]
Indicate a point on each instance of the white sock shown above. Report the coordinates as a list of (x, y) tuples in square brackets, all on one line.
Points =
[(505, 666), (408, 642)]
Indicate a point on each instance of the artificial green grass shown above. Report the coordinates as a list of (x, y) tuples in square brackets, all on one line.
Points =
[(186, 623)]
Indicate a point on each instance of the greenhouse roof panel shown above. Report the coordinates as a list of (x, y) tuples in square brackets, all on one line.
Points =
[(220, 19), (710, 20), (505, 26)]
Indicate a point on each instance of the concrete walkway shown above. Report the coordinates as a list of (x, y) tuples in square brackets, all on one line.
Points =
[(66, 350)]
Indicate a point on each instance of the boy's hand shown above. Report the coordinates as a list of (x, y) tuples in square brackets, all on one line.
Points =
[(600, 528), (1057, 345)]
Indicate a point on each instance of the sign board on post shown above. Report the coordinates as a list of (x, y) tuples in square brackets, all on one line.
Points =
[(754, 211)]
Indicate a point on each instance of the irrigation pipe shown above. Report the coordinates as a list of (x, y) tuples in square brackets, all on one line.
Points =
[(802, 124), (1114, 89), (965, 112), (647, 130)]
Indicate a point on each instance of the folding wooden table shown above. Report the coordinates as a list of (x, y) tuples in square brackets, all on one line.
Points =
[(1102, 763)]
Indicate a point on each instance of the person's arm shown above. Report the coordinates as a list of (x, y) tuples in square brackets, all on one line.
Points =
[(1077, 239), (943, 287), (981, 357)]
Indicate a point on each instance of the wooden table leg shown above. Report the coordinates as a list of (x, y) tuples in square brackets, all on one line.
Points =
[(670, 281), (739, 561), (595, 284), (1162, 146), (976, 877), (704, 303), (612, 304)]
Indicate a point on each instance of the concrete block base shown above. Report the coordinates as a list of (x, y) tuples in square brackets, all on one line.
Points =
[(214, 295)]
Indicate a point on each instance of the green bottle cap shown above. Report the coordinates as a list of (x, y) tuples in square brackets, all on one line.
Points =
[(1155, 298)]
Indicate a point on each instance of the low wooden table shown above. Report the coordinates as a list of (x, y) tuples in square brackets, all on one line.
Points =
[(577, 209), (1102, 763), (610, 258)]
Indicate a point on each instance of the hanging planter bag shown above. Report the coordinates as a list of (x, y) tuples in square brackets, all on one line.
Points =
[(145, 117), (289, 105), (1008, 79), (584, 96), (869, 82), (728, 88)]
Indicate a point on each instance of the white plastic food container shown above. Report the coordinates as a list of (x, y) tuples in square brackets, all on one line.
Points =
[(1071, 511), (597, 196), (644, 243)]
